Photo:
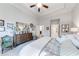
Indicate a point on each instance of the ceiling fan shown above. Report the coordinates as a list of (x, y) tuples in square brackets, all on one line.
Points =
[(39, 5)]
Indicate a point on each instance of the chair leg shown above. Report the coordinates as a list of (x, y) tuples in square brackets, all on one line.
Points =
[(12, 47), (2, 50)]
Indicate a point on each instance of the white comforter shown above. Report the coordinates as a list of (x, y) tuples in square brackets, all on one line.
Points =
[(67, 48), (35, 47)]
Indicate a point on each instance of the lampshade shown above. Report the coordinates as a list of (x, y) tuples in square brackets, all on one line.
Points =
[(41, 28), (74, 29)]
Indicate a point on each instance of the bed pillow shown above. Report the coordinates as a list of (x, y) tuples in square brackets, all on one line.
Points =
[(76, 36), (75, 40)]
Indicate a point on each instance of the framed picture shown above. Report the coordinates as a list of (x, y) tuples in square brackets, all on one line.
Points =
[(1, 22), (10, 25), (2, 29), (65, 28), (47, 28), (21, 26)]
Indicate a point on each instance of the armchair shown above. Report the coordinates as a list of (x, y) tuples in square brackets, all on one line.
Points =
[(7, 42)]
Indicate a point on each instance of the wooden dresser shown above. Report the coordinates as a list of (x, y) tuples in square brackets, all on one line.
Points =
[(21, 38)]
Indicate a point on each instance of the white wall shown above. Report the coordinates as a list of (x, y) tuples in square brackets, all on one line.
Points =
[(11, 14), (76, 16), (65, 18)]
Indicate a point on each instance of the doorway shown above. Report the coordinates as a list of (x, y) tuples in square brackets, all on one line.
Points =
[(55, 28)]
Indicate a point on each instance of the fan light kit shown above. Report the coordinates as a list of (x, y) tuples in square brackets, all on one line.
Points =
[(39, 5)]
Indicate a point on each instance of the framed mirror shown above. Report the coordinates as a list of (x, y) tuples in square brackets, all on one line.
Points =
[(21, 27)]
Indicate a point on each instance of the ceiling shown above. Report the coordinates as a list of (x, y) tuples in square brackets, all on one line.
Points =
[(53, 7)]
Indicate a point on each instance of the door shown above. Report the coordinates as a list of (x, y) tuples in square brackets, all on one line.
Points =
[(54, 30)]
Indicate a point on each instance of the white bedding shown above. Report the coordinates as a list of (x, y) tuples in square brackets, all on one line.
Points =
[(66, 48), (73, 37), (69, 44), (35, 47)]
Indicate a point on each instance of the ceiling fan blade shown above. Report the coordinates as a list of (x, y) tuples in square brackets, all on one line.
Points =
[(45, 6), (32, 5), (38, 9)]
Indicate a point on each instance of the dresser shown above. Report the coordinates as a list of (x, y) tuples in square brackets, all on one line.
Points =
[(21, 38)]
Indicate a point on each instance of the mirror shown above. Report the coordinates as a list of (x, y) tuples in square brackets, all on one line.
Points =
[(21, 26)]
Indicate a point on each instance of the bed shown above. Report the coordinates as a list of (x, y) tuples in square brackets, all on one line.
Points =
[(35, 47), (48, 46)]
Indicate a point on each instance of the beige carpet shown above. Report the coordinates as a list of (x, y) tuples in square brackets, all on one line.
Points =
[(15, 51)]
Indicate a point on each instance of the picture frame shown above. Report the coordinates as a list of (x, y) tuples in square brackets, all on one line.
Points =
[(47, 28), (1, 22), (2, 29), (21, 26), (65, 28), (10, 25)]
